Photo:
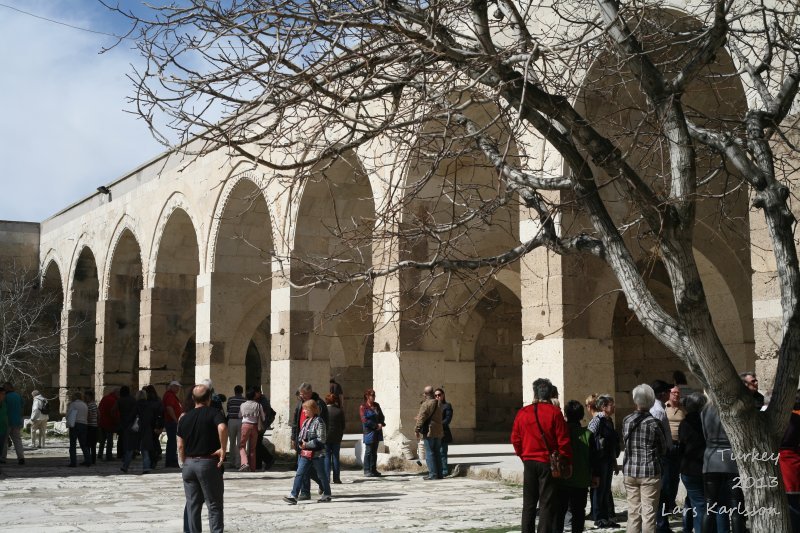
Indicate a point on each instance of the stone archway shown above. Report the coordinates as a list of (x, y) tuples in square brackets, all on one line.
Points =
[(120, 327), (241, 288), (334, 233), (599, 347), (491, 339), (169, 307), (80, 346), (52, 289)]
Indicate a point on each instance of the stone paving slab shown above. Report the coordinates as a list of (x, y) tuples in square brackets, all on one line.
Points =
[(45, 494)]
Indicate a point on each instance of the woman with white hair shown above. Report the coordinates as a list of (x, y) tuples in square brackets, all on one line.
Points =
[(644, 445)]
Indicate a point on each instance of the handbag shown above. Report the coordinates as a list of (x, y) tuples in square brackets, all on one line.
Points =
[(560, 466), (308, 454), (135, 426)]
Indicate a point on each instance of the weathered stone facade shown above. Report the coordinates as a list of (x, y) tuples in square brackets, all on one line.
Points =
[(181, 272)]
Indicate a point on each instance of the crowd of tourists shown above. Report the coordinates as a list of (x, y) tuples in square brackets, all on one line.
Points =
[(674, 435)]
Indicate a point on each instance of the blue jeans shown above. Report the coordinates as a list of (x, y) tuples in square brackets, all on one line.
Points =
[(77, 435), (171, 458), (303, 475), (432, 458), (718, 491), (332, 460), (311, 474), (443, 447), (126, 461), (693, 516), (371, 457)]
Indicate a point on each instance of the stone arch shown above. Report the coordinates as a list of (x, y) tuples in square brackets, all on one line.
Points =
[(176, 201), (602, 345), (125, 224), (52, 286), (169, 305), (240, 269), (435, 193), (232, 183), (52, 259), (78, 367), (334, 224), (490, 340), (121, 321), (335, 204)]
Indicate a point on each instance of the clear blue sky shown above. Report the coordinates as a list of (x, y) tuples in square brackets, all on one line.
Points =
[(64, 126)]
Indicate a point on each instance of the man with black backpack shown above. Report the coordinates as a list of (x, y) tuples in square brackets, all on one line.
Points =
[(40, 414)]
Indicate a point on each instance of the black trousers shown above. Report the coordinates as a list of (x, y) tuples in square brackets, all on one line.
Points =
[(91, 442), (263, 457), (574, 500), (538, 488)]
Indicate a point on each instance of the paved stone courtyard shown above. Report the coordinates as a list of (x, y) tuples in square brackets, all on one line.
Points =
[(45, 494)]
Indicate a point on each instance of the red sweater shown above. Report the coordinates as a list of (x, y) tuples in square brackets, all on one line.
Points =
[(527, 437)]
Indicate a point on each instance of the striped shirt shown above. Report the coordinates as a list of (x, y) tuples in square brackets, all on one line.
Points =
[(644, 445), (233, 406), (91, 417)]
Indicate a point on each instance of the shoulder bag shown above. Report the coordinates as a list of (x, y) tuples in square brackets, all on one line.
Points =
[(560, 466)]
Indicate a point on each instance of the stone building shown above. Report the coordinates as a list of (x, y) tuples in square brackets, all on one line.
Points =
[(175, 271)]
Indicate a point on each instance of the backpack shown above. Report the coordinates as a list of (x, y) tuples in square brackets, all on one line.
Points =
[(44, 408)]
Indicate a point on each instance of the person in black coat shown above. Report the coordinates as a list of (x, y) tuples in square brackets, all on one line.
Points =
[(693, 447), (447, 417), (125, 406), (140, 433), (333, 442)]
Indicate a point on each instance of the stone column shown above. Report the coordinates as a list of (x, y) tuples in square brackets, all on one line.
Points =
[(400, 369), (553, 292), (117, 350), (767, 311), (77, 354), (292, 362)]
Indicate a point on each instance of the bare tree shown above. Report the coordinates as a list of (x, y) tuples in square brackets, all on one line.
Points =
[(30, 328), (659, 116)]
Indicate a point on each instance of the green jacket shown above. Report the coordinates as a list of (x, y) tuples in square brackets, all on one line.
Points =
[(584, 457)]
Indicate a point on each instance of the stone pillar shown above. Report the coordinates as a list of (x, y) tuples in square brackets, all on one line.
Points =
[(292, 362), (210, 339), (767, 311), (107, 373), (399, 378), (77, 354), (63, 362), (552, 296)]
